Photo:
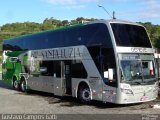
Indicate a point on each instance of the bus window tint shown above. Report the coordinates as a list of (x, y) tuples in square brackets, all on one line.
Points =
[(104, 59), (52, 68), (96, 34), (130, 35), (47, 68), (78, 70), (88, 35)]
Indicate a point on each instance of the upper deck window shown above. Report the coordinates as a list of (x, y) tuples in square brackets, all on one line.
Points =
[(128, 35), (88, 35)]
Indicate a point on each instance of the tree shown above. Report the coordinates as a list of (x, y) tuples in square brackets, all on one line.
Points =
[(65, 22), (154, 32), (157, 43)]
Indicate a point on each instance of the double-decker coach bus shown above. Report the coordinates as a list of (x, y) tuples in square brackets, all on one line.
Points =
[(105, 60)]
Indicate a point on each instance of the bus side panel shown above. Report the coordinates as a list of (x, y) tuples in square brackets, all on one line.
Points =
[(41, 83), (35, 83), (59, 86), (109, 94)]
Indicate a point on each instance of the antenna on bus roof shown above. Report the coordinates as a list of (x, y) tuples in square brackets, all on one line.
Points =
[(114, 15), (108, 12)]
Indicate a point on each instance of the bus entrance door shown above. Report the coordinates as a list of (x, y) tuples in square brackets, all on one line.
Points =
[(62, 85)]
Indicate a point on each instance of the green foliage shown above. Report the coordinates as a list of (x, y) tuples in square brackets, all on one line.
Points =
[(154, 33), (157, 43)]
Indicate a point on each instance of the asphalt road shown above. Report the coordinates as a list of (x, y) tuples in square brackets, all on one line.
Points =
[(15, 102)]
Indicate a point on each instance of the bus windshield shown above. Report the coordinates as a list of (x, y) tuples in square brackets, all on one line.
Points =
[(128, 35), (137, 67)]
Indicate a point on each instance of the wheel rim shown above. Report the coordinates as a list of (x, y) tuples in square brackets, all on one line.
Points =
[(86, 96)]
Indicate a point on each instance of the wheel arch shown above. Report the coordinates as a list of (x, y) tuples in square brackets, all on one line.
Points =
[(83, 83)]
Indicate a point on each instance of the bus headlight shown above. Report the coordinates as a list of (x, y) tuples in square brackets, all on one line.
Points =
[(126, 91)]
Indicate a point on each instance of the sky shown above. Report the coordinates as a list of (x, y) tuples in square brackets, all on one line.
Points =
[(12, 11)]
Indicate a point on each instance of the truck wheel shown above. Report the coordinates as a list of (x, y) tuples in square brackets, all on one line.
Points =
[(85, 94)]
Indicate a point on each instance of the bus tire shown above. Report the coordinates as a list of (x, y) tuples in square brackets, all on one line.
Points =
[(15, 84), (84, 94), (23, 85)]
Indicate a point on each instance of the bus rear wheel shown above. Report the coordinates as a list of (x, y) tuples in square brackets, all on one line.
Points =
[(85, 94), (23, 85), (16, 84)]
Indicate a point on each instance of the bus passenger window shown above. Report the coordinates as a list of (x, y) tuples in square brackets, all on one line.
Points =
[(108, 64), (78, 70), (46, 68)]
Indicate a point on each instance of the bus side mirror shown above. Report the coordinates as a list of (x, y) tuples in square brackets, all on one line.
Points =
[(110, 74)]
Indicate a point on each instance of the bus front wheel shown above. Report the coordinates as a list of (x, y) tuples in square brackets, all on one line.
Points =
[(85, 94)]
